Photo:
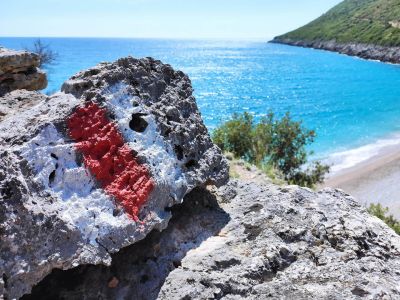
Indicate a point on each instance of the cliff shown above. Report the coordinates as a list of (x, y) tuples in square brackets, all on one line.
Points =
[(20, 70), (113, 189), (364, 28)]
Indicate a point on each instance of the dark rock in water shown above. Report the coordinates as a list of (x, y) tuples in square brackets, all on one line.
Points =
[(19, 70), (366, 51), (78, 183), (266, 242)]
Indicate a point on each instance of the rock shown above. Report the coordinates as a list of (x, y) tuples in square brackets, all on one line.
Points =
[(262, 241), (18, 101), (291, 243), (92, 180), (366, 51), (19, 70), (91, 170), (143, 267)]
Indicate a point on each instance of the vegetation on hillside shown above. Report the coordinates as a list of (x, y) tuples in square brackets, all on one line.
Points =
[(379, 211), (362, 21), (276, 146)]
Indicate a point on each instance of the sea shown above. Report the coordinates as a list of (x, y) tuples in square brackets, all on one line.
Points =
[(352, 104)]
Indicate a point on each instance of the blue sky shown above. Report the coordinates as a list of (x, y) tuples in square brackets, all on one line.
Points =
[(228, 19)]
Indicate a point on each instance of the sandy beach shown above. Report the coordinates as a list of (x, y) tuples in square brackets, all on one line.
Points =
[(376, 180)]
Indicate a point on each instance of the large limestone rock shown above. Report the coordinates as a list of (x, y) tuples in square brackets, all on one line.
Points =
[(96, 168), (249, 241), (91, 184), (17, 101), (291, 243), (20, 70)]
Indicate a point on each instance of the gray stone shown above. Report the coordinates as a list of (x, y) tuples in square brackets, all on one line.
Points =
[(167, 95), (291, 243), (53, 211), (259, 242), (18, 101)]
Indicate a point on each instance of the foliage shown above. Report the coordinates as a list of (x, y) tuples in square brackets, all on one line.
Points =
[(362, 21), (272, 144), (380, 212), (234, 136), (46, 55)]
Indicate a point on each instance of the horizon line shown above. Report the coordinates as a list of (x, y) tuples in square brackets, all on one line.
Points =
[(266, 39)]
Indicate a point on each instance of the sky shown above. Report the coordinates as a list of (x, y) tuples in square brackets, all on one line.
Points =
[(186, 19)]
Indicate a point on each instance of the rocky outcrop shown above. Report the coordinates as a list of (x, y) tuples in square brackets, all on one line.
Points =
[(91, 187), (20, 70), (17, 101), (373, 52), (96, 168), (249, 241)]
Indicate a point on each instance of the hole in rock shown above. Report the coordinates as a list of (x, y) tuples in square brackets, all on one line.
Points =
[(144, 279), (177, 263), (7, 191), (189, 220), (5, 280), (167, 132), (52, 176), (191, 163), (179, 151), (138, 123)]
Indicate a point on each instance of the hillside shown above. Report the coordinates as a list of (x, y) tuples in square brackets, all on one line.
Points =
[(354, 21)]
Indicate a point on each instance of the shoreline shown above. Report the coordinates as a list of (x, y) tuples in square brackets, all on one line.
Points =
[(375, 180), (365, 51)]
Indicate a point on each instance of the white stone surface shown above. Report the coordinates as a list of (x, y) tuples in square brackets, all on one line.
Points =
[(164, 166), (83, 204)]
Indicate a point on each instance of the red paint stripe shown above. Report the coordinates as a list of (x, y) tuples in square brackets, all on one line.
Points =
[(109, 159)]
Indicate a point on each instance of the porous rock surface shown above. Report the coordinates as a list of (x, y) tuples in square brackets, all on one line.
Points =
[(91, 175), (249, 241), (93, 169), (18, 101), (20, 70), (291, 243)]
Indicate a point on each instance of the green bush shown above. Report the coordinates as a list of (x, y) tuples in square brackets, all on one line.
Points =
[(381, 212), (272, 144), (234, 136)]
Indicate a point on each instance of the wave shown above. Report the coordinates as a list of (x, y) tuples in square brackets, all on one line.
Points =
[(349, 158)]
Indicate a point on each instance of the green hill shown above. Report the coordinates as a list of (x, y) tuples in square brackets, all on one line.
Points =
[(354, 21)]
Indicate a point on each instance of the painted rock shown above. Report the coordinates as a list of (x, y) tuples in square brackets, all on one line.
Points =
[(96, 167)]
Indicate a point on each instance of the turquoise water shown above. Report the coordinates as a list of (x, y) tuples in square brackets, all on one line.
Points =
[(348, 101)]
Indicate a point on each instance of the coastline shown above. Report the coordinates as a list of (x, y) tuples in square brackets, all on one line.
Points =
[(374, 180), (365, 51)]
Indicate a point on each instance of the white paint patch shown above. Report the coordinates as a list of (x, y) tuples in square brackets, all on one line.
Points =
[(82, 204), (163, 163)]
